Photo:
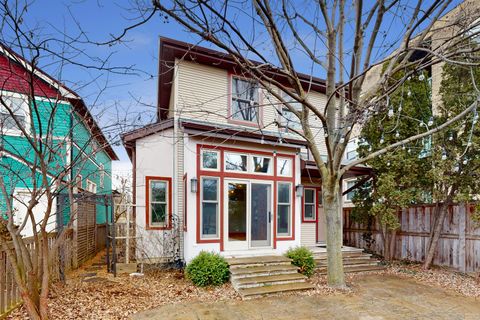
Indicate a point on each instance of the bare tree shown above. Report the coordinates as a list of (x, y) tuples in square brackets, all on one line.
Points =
[(358, 46)]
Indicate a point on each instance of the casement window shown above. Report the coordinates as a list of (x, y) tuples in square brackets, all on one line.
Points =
[(284, 209), (284, 167), (102, 175), (19, 107), (245, 100), (236, 162), (288, 119), (91, 186), (209, 208), (210, 160), (158, 204), (309, 204), (261, 164)]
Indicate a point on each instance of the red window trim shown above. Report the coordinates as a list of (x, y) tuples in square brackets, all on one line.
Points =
[(222, 175), (185, 201), (147, 202), (316, 205), (257, 124)]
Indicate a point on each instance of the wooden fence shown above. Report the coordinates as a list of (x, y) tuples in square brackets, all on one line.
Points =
[(458, 246)]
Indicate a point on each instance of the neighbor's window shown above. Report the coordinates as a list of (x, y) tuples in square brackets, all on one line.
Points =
[(91, 186), (351, 150), (18, 106), (284, 209), (244, 100), (209, 213), (261, 164), (158, 202), (78, 181), (210, 160), (350, 184), (288, 119), (102, 175), (284, 167), (309, 204), (235, 162)]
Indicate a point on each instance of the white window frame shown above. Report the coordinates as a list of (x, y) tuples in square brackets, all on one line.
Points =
[(79, 181), (166, 202), (291, 167), (25, 107), (217, 218), (235, 153), (91, 186), (290, 203), (252, 164), (296, 105), (346, 199), (234, 97), (202, 151), (314, 204), (349, 150), (102, 175)]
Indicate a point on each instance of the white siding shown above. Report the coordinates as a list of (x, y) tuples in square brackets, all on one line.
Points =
[(308, 237)]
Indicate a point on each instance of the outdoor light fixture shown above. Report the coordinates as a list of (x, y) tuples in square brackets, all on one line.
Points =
[(193, 185), (299, 190)]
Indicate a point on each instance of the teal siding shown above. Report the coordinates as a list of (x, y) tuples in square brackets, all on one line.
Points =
[(86, 163)]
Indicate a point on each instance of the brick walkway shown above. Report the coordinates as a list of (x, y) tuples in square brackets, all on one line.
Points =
[(376, 298)]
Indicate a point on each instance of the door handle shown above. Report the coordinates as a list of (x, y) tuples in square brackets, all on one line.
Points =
[(269, 217)]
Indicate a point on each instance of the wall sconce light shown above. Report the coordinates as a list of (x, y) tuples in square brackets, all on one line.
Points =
[(299, 190), (193, 185)]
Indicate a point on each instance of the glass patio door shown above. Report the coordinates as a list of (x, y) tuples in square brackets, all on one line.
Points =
[(261, 215), (236, 215)]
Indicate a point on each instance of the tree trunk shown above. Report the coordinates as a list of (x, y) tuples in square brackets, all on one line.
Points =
[(435, 235), (333, 213)]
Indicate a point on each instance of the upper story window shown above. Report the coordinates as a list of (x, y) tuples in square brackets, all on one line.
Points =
[(245, 100), (91, 186), (19, 107), (351, 150), (349, 196), (288, 119), (284, 167), (102, 175)]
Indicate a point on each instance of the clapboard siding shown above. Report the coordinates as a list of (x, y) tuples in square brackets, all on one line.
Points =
[(458, 247), (308, 235)]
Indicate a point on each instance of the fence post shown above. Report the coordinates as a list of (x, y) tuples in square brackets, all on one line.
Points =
[(462, 239)]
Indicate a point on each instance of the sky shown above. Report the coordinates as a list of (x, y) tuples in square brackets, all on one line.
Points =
[(109, 94)]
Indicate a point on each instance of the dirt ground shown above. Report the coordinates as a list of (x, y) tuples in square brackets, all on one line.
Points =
[(374, 297)]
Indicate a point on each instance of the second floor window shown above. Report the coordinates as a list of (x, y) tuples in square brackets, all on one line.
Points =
[(288, 119), (17, 106), (244, 100)]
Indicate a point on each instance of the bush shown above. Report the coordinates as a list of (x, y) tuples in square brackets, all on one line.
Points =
[(303, 258), (207, 269)]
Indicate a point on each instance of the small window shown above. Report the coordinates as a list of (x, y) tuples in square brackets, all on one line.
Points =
[(244, 100), (284, 167), (261, 164), (349, 196), (351, 150), (78, 181), (102, 175), (91, 186), (158, 202), (236, 162), (288, 119), (209, 214), (16, 105), (210, 160), (284, 209), (309, 205)]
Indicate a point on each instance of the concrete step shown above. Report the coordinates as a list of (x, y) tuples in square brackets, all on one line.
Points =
[(347, 262), (263, 271), (345, 255), (372, 267), (260, 281), (264, 290), (257, 261)]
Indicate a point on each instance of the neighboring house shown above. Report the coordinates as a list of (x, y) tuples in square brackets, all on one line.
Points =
[(214, 172), (76, 138)]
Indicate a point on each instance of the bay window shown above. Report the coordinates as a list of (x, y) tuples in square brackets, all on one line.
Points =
[(284, 208), (209, 208), (245, 100)]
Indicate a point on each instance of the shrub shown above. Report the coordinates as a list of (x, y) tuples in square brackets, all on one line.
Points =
[(207, 269), (302, 257)]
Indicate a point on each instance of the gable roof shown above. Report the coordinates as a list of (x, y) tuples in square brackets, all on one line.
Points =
[(16, 76), (171, 49)]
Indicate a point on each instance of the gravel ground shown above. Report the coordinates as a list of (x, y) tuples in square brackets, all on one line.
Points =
[(118, 298)]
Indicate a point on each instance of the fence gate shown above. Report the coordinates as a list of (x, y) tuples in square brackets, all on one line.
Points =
[(85, 230)]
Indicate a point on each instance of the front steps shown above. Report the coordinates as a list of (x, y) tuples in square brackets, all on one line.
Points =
[(353, 261), (258, 276)]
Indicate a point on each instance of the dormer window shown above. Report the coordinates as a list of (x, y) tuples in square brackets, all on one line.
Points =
[(244, 100)]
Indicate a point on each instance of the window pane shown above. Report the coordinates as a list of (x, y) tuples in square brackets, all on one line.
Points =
[(210, 159), (284, 167), (245, 90), (159, 191), (283, 219), (209, 219), (244, 110), (210, 187), (290, 120), (309, 211), (283, 193), (261, 164), (235, 162), (309, 195), (158, 212)]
